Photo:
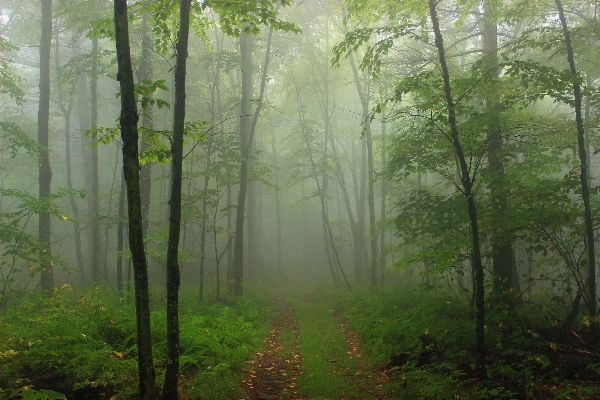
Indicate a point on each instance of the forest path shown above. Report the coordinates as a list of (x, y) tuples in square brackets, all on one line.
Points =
[(273, 372), (310, 354)]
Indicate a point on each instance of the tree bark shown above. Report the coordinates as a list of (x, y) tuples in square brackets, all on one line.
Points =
[(363, 94), (95, 184), (145, 73), (246, 142), (44, 170), (203, 224), (173, 274), (467, 190), (502, 258), (67, 112), (321, 192), (382, 251), (120, 231), (583, 176), (277, 203), (129, 135)]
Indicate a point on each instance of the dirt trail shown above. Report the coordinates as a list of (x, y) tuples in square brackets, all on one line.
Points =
[(363, 375), (273, 372)]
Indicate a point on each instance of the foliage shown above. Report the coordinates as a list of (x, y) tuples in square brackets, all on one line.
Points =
[(10, 82), (85, 342), (524, 355), (20, 251)]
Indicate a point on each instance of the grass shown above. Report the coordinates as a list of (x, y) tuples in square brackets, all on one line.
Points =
[(328, 371)]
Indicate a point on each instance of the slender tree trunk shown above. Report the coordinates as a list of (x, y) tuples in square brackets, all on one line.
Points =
[(131, 167), (95, 184), (363, 94), (360, 218), (173, 275), (203, 224), (467, 190), (328, 243), (110, 208), (120, 229), (502, 259), (67, 111), (83, 116), (251, 224), (246, 142), (382, 251), (277, 203), (145, 73), (363, 198), (236, 284), (45, 172), (583, 176)]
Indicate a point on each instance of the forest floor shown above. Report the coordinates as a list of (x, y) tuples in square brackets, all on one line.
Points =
[(310, 354)]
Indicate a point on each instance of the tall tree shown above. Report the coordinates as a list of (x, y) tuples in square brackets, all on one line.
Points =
[(44, 169), (245, 145), (95, 183), (145, 73), (247, 132), (502, 258), (364, 93), (173, 273), (131, 170), (583, 171), (66, 110), (467, 191)]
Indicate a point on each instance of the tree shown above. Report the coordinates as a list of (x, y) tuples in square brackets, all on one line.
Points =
[(467, 191), (173, 274), (502, 257), (583, 168), (129, 136), (45, 171), (66, 111), (95, 184)]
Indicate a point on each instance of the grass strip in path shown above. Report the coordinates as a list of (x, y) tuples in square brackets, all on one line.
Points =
[(333, 367), (273, 372)]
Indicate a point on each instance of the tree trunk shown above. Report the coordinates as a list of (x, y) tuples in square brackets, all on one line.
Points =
[(246, 143), (236, 285), (382, 249), (95, 185), (583, 176), (67, 111), (277, 203), (251, 224), (129, 135), (145, 73), (360, 218), (173, 275), (120, 229), (44, 170), (321, 192), (83, 116), (467, 190), (203, 224), (363, 94), (502, 259)]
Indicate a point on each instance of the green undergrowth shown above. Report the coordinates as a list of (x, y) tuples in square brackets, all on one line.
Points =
[(83, 344), (426, 341)]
